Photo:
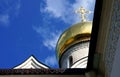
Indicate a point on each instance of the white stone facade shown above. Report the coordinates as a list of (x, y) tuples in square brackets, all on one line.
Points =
[(78, 53)]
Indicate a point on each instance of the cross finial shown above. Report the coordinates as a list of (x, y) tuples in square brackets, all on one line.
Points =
[(82, 11)]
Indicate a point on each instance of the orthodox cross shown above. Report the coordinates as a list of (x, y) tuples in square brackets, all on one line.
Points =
[(82, 11)]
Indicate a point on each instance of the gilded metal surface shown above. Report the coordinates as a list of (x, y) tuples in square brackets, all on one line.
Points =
[(77, 33)]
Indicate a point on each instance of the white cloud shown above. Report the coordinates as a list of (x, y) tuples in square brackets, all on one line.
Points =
[(8, 11), (51, 7), (50, 37), (51, 60), (51, 42), (64, 10), (4, 19), (58, 9), (17, 7)]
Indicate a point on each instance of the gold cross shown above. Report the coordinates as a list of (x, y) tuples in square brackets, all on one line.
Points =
[(82, 11)]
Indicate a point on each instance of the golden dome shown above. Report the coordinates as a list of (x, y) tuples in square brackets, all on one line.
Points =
[(77, 33)]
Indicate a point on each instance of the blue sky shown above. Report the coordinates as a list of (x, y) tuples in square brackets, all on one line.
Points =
[(32, 27)]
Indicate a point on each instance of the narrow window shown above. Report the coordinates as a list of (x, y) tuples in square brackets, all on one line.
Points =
[(70, 61)]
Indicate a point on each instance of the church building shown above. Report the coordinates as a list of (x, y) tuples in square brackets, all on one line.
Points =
[(94, 45), (72, 47)]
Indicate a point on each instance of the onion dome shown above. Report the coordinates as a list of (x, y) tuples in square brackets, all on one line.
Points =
[(77, 33)]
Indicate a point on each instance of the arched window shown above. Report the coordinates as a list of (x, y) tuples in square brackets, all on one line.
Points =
[(70, 61)]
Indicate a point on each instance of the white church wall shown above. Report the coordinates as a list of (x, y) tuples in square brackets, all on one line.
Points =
[(77, 52)]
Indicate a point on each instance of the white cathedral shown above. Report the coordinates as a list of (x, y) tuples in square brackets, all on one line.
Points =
[(72, 47)]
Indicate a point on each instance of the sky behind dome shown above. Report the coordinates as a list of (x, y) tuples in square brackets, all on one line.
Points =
[(32, 27)]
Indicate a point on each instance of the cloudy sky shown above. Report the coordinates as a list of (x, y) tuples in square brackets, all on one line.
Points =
[(32, 27)]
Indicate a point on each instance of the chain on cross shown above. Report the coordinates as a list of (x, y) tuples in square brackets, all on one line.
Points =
[(83, 11)]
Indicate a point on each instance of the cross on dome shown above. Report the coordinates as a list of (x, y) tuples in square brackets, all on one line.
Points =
[(83, 11)]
